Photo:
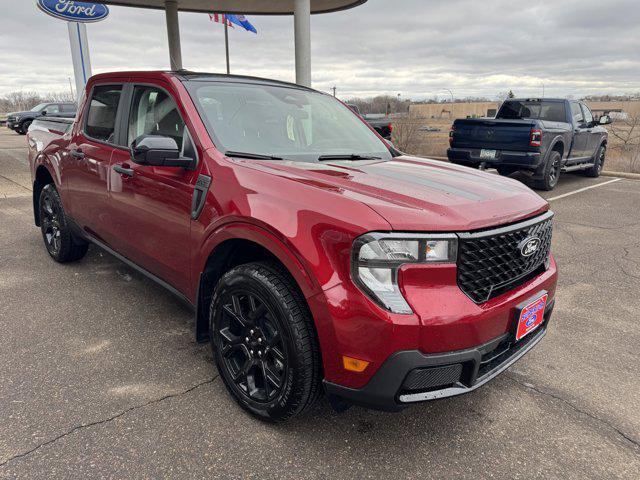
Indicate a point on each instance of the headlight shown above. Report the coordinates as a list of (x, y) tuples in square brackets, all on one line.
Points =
[(376, 258)]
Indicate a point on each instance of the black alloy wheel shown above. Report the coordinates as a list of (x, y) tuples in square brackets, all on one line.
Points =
[(50, 224), (58, 238), (596, 169), (264, 341), (250, 340), (551, 172), (554, 171)]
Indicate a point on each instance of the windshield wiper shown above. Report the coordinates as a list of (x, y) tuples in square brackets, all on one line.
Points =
[(348, 156), (254, 156)]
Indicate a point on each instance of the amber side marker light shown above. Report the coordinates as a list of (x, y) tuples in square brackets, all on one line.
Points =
[(353, 364)]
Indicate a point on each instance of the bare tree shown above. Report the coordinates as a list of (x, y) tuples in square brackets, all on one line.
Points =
[(405, 132), (24, 100), (627, 133)]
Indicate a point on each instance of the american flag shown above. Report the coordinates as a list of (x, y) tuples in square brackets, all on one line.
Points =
[(220, 18)]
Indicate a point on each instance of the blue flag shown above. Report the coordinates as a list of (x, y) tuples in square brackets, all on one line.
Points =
[(241, 21)]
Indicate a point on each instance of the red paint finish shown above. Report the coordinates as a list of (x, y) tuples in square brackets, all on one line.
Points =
[(307, 215)]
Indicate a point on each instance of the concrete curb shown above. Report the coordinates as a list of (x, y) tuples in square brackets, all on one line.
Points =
[(633, 176)]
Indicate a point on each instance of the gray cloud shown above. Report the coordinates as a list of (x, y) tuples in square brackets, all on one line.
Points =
[(413, 47)]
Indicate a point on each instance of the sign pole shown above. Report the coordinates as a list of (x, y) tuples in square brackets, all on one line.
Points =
[(79, 55), (226, 43)]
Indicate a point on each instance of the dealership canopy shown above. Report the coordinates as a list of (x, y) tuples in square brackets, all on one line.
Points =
[(301, 9)]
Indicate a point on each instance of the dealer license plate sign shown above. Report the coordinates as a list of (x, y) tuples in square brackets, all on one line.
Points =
[(531, 316), (489, 154)]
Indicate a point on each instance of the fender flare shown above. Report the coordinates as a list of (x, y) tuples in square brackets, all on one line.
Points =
[(565, 154), (263, 236)]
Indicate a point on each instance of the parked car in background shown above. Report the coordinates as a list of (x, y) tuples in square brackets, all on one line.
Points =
[(380, 123), (314, 254), (20, 121), (542, 137)]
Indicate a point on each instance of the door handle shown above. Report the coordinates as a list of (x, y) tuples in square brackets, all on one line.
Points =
[(77, 153), (123, 170)]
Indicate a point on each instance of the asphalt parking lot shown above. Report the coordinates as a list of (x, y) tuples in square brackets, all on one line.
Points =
[(101, 376)]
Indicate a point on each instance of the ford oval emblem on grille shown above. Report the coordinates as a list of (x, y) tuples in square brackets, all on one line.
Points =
[(529, 246)]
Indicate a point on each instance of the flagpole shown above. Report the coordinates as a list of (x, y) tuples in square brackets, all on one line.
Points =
[(226, 43)]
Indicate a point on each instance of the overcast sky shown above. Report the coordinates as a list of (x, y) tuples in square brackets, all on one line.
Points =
[(414, 47)]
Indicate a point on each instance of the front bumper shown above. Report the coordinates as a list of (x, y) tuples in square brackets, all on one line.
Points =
[(411, 376), (471, 156)]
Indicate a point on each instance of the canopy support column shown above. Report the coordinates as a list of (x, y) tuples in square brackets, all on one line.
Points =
[(302, 34), (173, 34)]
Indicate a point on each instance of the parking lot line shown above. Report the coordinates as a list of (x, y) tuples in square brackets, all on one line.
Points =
[(583, 189)]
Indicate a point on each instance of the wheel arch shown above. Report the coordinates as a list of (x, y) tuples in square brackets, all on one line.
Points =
[(558, 146), (238, 245)]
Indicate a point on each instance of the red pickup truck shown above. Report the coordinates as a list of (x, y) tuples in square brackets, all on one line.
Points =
[(316, 257)]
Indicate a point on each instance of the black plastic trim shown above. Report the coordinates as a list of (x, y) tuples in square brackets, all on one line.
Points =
[(383, 391), (199, 198)]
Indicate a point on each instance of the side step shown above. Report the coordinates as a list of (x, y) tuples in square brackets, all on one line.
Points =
[(580, 166)]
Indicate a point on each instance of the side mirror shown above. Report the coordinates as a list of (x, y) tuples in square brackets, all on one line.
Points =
[(605, 120), (158, 151), (43, 112)]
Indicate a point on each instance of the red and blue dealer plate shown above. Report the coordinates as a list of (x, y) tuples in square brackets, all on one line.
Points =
[(531, 316)]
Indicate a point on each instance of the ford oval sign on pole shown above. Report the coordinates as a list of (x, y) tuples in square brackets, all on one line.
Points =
[(77, 14), (74, 11)]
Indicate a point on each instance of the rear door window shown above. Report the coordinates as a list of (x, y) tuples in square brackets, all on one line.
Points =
[(68, 108), (576, 113), (101, 116)]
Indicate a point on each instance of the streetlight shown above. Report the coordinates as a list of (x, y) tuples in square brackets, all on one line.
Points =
[(450, 93)]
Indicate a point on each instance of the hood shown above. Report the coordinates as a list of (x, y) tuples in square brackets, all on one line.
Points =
[(19, 114), (419, 194)]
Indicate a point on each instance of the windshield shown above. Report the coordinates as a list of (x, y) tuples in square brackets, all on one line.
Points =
[(285, 122), (531, 109), (38, 107)]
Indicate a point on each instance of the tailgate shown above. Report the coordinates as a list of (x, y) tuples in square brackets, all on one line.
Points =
[(492, 134)]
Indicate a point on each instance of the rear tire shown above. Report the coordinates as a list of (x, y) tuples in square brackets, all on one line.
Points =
[(264, 342), (505, 171), (598, 164), (58, 238), (550, 174)]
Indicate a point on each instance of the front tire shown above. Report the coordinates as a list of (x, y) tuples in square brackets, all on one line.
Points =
[(550, 173), (58, 238), (264, 342), (24, 128), (598, 164)]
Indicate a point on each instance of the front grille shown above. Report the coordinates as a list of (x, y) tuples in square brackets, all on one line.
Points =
[(490, 262)]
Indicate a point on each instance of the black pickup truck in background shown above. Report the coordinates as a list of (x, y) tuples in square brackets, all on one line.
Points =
[(541, 137), (21, 121)]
